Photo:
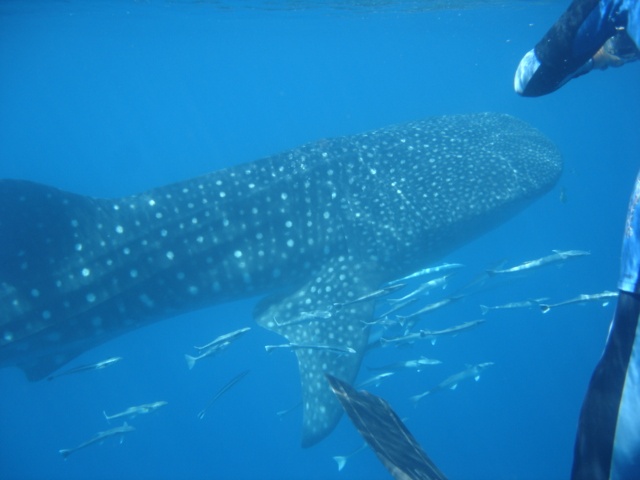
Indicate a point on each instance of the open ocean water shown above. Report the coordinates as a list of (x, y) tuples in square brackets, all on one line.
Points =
[(111, 98)]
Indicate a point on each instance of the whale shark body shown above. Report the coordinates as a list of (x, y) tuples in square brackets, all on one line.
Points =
[(322, 224)]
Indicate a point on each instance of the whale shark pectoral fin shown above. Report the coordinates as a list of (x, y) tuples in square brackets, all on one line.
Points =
[(342, 329)]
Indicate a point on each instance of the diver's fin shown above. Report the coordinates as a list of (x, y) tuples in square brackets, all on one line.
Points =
[(385, 433)]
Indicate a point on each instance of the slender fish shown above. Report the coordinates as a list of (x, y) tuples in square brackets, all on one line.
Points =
[(227, 337), (409, 321), (423, 289), (222, 391), (428, 271), (125, 428), (417, 364), (603, 297), (556, 257), (216, 346), (523, 304), (371, 296), (133, 411), (87, 368), (473, 371), (375, 380)]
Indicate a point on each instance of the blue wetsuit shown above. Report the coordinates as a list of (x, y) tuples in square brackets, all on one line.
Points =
[(608, 438)]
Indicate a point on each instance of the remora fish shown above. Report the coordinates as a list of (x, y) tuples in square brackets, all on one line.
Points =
[(227, 337), (556, 257), (472, 371), (409, 321), (424, 288), (133, 411), (428, 271), (316, 225), (212, 351), (432, 334), (417, 364), (370, 296), (505, 306), (87, 368), (375, 380), (456, 329), (125, 428), (216, 346), (594, 297), (305, 317)]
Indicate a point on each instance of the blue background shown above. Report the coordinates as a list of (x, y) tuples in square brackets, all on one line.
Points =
[(113, 98)]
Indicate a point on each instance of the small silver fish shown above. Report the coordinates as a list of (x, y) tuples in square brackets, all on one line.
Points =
[(595, 297), (409, 321), (227, 337), (456, 329), (87, 368), (375, 380), (370, 296), (556, 257), (213, 350), (452, 382), (100, 436), (133, 411), (305, 317), (431, 334), (428, 271), (423, 289), (505, 306), (218, 345), (417, 364)]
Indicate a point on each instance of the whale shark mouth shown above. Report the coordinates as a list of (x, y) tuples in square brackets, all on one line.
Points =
[(321, 224)]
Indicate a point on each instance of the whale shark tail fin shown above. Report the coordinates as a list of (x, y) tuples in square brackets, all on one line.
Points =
[(42, 233), (38, 229), (338, 281)]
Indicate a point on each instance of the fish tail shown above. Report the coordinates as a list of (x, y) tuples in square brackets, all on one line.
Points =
[(39, 224), (544, 308), (341, 461), (484, 309), (65, 452), (416, 398), (191, 361)]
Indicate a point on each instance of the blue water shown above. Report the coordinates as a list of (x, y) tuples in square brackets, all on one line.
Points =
[(113, 98)]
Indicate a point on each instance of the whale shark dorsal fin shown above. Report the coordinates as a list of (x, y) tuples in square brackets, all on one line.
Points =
[(337, 281)]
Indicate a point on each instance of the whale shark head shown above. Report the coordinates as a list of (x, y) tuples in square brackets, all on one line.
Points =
[(319, 225)]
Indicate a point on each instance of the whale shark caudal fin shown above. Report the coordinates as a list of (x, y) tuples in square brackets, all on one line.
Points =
[(41, 237), (338, 281)]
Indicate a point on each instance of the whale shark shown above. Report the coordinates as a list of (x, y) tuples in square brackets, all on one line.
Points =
[(322, 224)]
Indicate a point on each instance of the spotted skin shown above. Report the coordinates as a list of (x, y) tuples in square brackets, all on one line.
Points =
[(324, 223)]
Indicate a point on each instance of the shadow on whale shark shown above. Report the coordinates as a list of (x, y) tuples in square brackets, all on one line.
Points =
[(323, 223)]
